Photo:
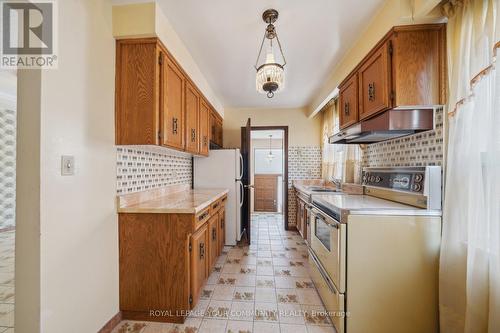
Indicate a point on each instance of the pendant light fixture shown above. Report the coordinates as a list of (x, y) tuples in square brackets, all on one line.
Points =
[(270, 156), (270, 76)]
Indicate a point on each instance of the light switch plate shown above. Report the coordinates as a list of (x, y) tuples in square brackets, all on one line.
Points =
[(67, 165)]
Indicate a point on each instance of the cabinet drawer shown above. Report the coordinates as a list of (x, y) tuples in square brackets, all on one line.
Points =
[(333, 300), (201, 218), (215, 206), (374, 78)]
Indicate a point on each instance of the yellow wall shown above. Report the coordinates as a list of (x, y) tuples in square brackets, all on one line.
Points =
[(302, 131), (148, 20), (393, 12), (134, 20)]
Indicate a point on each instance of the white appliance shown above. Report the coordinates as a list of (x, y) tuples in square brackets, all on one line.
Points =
[(223, 169), (374, 258)]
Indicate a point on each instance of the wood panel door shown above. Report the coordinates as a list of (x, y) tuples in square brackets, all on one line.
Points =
[(348, 102), (192, 119), (266, 193), (375, 83), (213, 242), (222, 229), (199, 262), (137, 109), (172, 92), (204, 128)]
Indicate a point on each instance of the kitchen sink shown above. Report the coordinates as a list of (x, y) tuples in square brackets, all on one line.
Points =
[(322, 189)]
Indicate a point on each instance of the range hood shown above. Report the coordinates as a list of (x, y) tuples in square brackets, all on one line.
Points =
[(388, 125)]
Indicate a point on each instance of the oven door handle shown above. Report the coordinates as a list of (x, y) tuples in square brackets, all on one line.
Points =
[(334, 225), (323, 274)]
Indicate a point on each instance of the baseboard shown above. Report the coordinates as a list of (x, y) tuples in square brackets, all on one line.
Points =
[(112, 323)]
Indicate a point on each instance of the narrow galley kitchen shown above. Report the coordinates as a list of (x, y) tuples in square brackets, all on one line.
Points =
[(273, 166)]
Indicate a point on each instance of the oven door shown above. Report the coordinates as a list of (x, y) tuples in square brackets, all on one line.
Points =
[(333, 300), (328, 244)]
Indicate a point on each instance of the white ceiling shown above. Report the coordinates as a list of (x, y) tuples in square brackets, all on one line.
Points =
[(224, 37)]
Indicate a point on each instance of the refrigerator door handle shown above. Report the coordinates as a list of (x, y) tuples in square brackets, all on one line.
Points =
[(242, 192), (241, 166)]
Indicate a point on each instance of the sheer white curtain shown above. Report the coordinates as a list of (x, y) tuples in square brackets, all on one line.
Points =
[(339, 161), (470, 255)]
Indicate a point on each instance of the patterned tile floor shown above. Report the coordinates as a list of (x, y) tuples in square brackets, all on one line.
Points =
[(7, 281), (261, 288)]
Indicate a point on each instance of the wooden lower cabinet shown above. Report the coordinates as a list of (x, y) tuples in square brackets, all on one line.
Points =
[(213, 233), (222, 229), (165, 260), (199, 262)]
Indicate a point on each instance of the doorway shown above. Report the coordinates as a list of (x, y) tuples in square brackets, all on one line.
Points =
[(268, 172)]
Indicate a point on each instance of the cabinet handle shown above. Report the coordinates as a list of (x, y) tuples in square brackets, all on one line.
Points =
[(215, 205), (346, 108), (371, 91), (202, 216), (193, 135), (174, 125), (202, 250), (205, 140), (214, 233)]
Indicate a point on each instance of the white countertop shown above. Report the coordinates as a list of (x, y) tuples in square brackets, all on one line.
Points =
[(365, 204)]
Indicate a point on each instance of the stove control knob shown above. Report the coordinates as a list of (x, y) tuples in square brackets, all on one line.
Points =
[(416, 187), (378, 179), (419, 177)]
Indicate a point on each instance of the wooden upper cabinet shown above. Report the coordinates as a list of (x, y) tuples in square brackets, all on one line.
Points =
[(216, 129), (172, 93), (348, 102), (192, 117), (155, 101), (199, 262), (137, 99), (419, 65), (407, 68), (204, 128), (375, 82)]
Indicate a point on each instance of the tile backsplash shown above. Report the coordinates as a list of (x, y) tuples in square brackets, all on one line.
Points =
[(141, 168), (304, 162), (419, 149), (7, 168)]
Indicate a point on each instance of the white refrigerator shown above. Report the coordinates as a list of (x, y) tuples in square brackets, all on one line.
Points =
[(223, 169)]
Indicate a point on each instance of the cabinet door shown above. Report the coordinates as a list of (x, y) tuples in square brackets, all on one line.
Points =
[(173, 104), (199, 262), (348, 102), (219, 133), (192, 117), (375, 83), (137, 102), (222, 229), (304, 221), (213, 228), (204, 127)]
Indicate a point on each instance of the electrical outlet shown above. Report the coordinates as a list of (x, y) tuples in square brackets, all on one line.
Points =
[(67, 165)]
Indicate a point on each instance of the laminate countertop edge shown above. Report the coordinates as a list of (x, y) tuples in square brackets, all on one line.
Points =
[(193, 202)]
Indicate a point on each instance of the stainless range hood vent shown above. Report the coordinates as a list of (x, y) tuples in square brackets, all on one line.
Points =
[(388, 125)]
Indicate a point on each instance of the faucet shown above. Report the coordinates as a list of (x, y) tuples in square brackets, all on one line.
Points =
[(337, 182)]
